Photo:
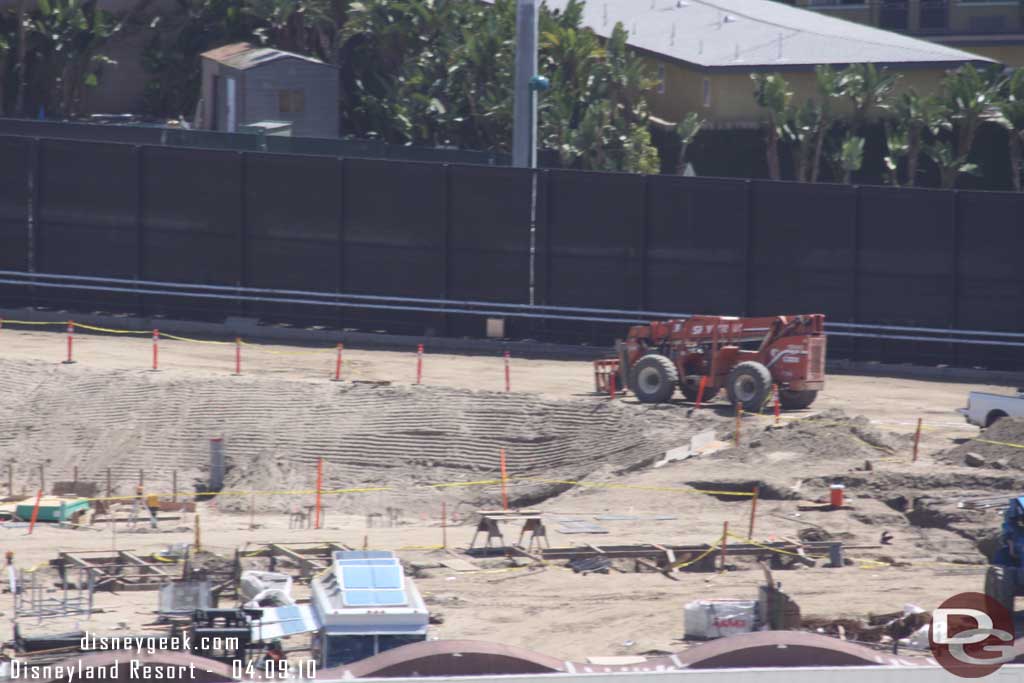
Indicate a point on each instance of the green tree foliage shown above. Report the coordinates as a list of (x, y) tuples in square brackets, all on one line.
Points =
[(1012, 108), (773, 94), (174, 42), (687, 130), (915, 119), (50, 52)]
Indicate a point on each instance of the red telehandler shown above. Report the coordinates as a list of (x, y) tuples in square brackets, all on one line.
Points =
[(746, 356)]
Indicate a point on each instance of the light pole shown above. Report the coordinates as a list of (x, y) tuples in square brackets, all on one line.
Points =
[(524, 106)]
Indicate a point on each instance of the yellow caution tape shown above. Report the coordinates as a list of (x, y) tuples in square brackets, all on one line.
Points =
[(164, 335), (780, 551), (110, 330), (1000, 443), (686, 563)]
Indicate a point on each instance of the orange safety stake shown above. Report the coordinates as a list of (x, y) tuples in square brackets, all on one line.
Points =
[(35, 511), (700, 390), (504, 480), (156, 346), (917, 439), (419, 363), (611, 384), (71, 338), (337, 364), (775, 395)]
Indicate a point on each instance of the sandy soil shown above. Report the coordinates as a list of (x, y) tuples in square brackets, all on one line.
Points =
[(283, 413)]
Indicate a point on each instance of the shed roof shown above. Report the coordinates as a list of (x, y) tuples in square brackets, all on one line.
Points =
[(244, 56), (744, 34)]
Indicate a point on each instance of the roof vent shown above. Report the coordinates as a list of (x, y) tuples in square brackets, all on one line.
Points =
[(680, 4), (728, 19)]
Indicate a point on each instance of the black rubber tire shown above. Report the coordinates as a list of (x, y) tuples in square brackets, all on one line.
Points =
[(796, 400), (749, 383), (1000, 586), (993, 417), (690, 391), (653, 379)]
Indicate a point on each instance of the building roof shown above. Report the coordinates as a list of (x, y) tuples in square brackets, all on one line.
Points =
[(244, 56), (745, 34)]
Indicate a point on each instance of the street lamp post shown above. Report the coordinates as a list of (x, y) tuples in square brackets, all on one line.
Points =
[(524, 106)]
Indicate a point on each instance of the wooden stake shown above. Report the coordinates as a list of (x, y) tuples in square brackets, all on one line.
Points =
[(739, 416), (42, 477), (917, 439), (198, 539), (753, 513), (725, 544), (10, 479), (174, 486), (504, 480), (110, 488), (252, 511), (700, 390), (319, 485), (444, 525), (142, 477)]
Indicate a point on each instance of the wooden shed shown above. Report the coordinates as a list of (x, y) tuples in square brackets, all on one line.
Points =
[(243, 84)]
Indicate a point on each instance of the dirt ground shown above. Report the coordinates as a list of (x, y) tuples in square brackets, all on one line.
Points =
[(108, 410)]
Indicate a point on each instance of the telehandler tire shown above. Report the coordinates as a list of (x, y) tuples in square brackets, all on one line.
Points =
[(653, 379), (749, 383), (796, 400), (1000, 586)]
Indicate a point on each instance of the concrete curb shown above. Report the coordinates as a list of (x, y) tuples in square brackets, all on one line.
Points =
[(250, 328)]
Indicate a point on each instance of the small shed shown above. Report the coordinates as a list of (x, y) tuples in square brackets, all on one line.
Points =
[(243, 84)]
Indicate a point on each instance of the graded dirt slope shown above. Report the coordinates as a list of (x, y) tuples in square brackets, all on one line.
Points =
[(275, 430)]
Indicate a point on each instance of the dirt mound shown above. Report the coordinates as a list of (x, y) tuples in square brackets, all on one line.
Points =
[(1000, 446), (275, 430)]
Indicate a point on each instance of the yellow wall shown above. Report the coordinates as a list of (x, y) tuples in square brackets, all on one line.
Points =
[(732, 93), (1010, 55)]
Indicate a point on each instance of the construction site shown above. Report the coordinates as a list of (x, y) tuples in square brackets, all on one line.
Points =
[(528, 502)]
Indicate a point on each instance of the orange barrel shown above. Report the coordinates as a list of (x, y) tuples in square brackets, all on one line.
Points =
[(836, 495)]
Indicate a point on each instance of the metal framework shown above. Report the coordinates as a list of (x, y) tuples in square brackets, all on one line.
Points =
[(33, 600), (480, 308)]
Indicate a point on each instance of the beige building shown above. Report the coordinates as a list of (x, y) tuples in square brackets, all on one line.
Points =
[(992, 28), (704, 53)]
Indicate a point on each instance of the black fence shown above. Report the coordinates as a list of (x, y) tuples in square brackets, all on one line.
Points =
[(147, 134), (931, 258)]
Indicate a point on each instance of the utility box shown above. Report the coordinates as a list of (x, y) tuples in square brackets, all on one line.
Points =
[(274, 128), (495, 328), (707, 619)]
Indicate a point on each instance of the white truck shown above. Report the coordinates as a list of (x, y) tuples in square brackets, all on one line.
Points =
[(983, 409)]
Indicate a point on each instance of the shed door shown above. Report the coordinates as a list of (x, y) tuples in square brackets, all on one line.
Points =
[(230, 108)]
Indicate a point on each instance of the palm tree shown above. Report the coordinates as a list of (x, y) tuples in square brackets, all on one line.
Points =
[(869, 88), (1013, 113), (687, 130), (773, 94), (913, 116), (970, 96), (829, 85), (851, 156)]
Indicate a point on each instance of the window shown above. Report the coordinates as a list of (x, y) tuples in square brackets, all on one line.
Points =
[(389, 642), (291, 101), (348, 649), (707, 93), (661, 79)]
